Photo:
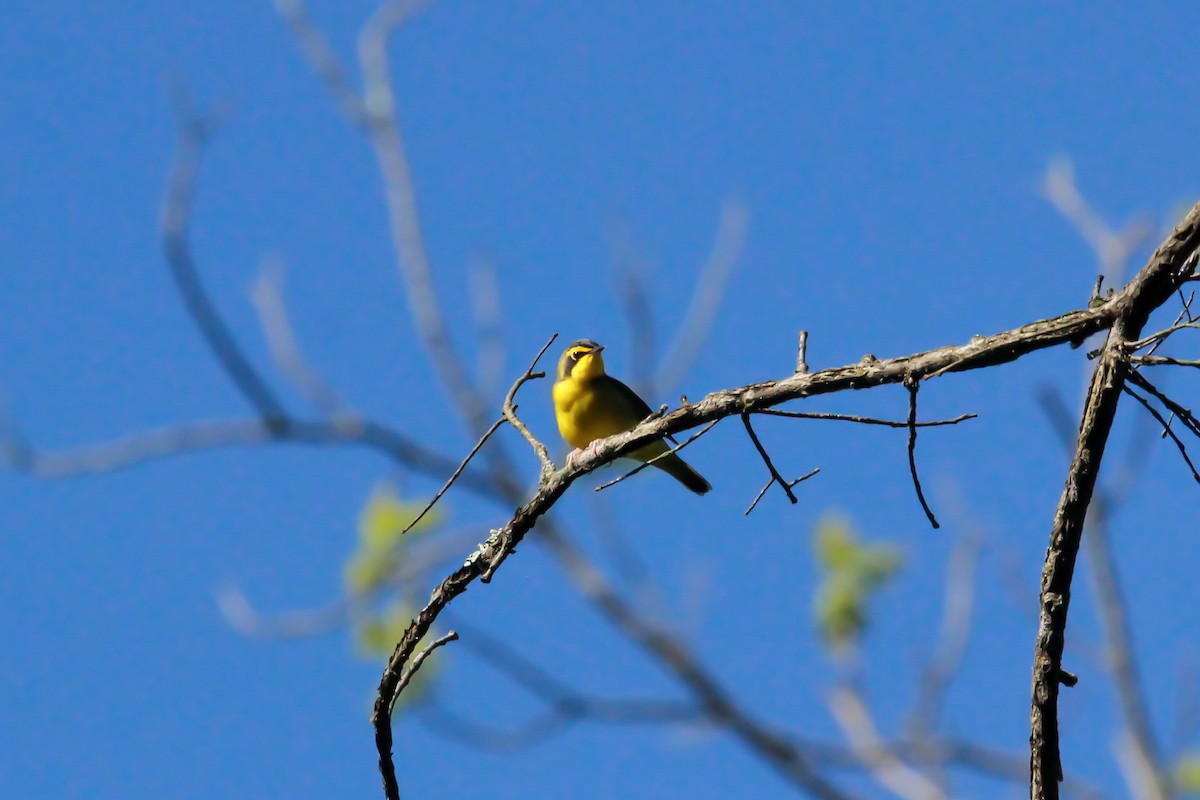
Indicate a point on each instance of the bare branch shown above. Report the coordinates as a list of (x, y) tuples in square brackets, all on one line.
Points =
[(1150, 288)]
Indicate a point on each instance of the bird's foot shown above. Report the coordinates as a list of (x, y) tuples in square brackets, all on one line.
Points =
[(576, 454)]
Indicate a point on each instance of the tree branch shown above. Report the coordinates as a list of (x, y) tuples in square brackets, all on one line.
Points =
[(1131, 308)]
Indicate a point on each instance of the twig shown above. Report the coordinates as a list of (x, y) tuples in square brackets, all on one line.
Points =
[(510, 411), (1161, 335), (913, 385), (762, 451), (1160, 361), (802, 353), (767, 485), (890, 423), (1166, 429), (418, 660), (1184, 414), (651, 462), (457, 472)]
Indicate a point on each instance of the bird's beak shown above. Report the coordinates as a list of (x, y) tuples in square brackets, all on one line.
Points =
[(596, 350)]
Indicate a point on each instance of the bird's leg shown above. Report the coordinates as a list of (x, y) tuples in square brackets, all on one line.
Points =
[(573, 456)]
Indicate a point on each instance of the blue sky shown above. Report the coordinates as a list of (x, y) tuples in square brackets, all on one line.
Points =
[(891, 157)]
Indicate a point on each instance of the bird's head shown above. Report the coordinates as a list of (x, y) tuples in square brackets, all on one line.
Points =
[(581, 361)]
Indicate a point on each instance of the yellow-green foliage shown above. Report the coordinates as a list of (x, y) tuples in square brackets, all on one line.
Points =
[(850, 571), (380, 545), (380, 552), (1187, 774)]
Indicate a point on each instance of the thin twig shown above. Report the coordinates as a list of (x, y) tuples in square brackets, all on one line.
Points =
[(1166, 427), (890, 423), (913, 385), (1161, 361), (1183, 414), (652, 461), (767, 485), (762, 451), (510, 411), (418, 660), (457, 472)]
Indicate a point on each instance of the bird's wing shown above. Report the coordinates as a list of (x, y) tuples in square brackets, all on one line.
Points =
[(637, 407)]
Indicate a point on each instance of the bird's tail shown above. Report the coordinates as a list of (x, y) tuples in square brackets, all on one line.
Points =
[(678, 469)]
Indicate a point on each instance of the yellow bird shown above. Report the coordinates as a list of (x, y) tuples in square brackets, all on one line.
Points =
[(591, 405)]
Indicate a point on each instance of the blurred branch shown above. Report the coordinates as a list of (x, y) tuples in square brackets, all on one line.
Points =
[(484, 290), (958, 606), (631, 270), (1142, 765), (203, 435), (267, 296), (194, 132), (888, 768), (706, 298), (1113, 249)]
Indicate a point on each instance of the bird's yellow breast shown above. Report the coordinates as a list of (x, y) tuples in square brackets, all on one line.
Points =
[(584, 416)]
